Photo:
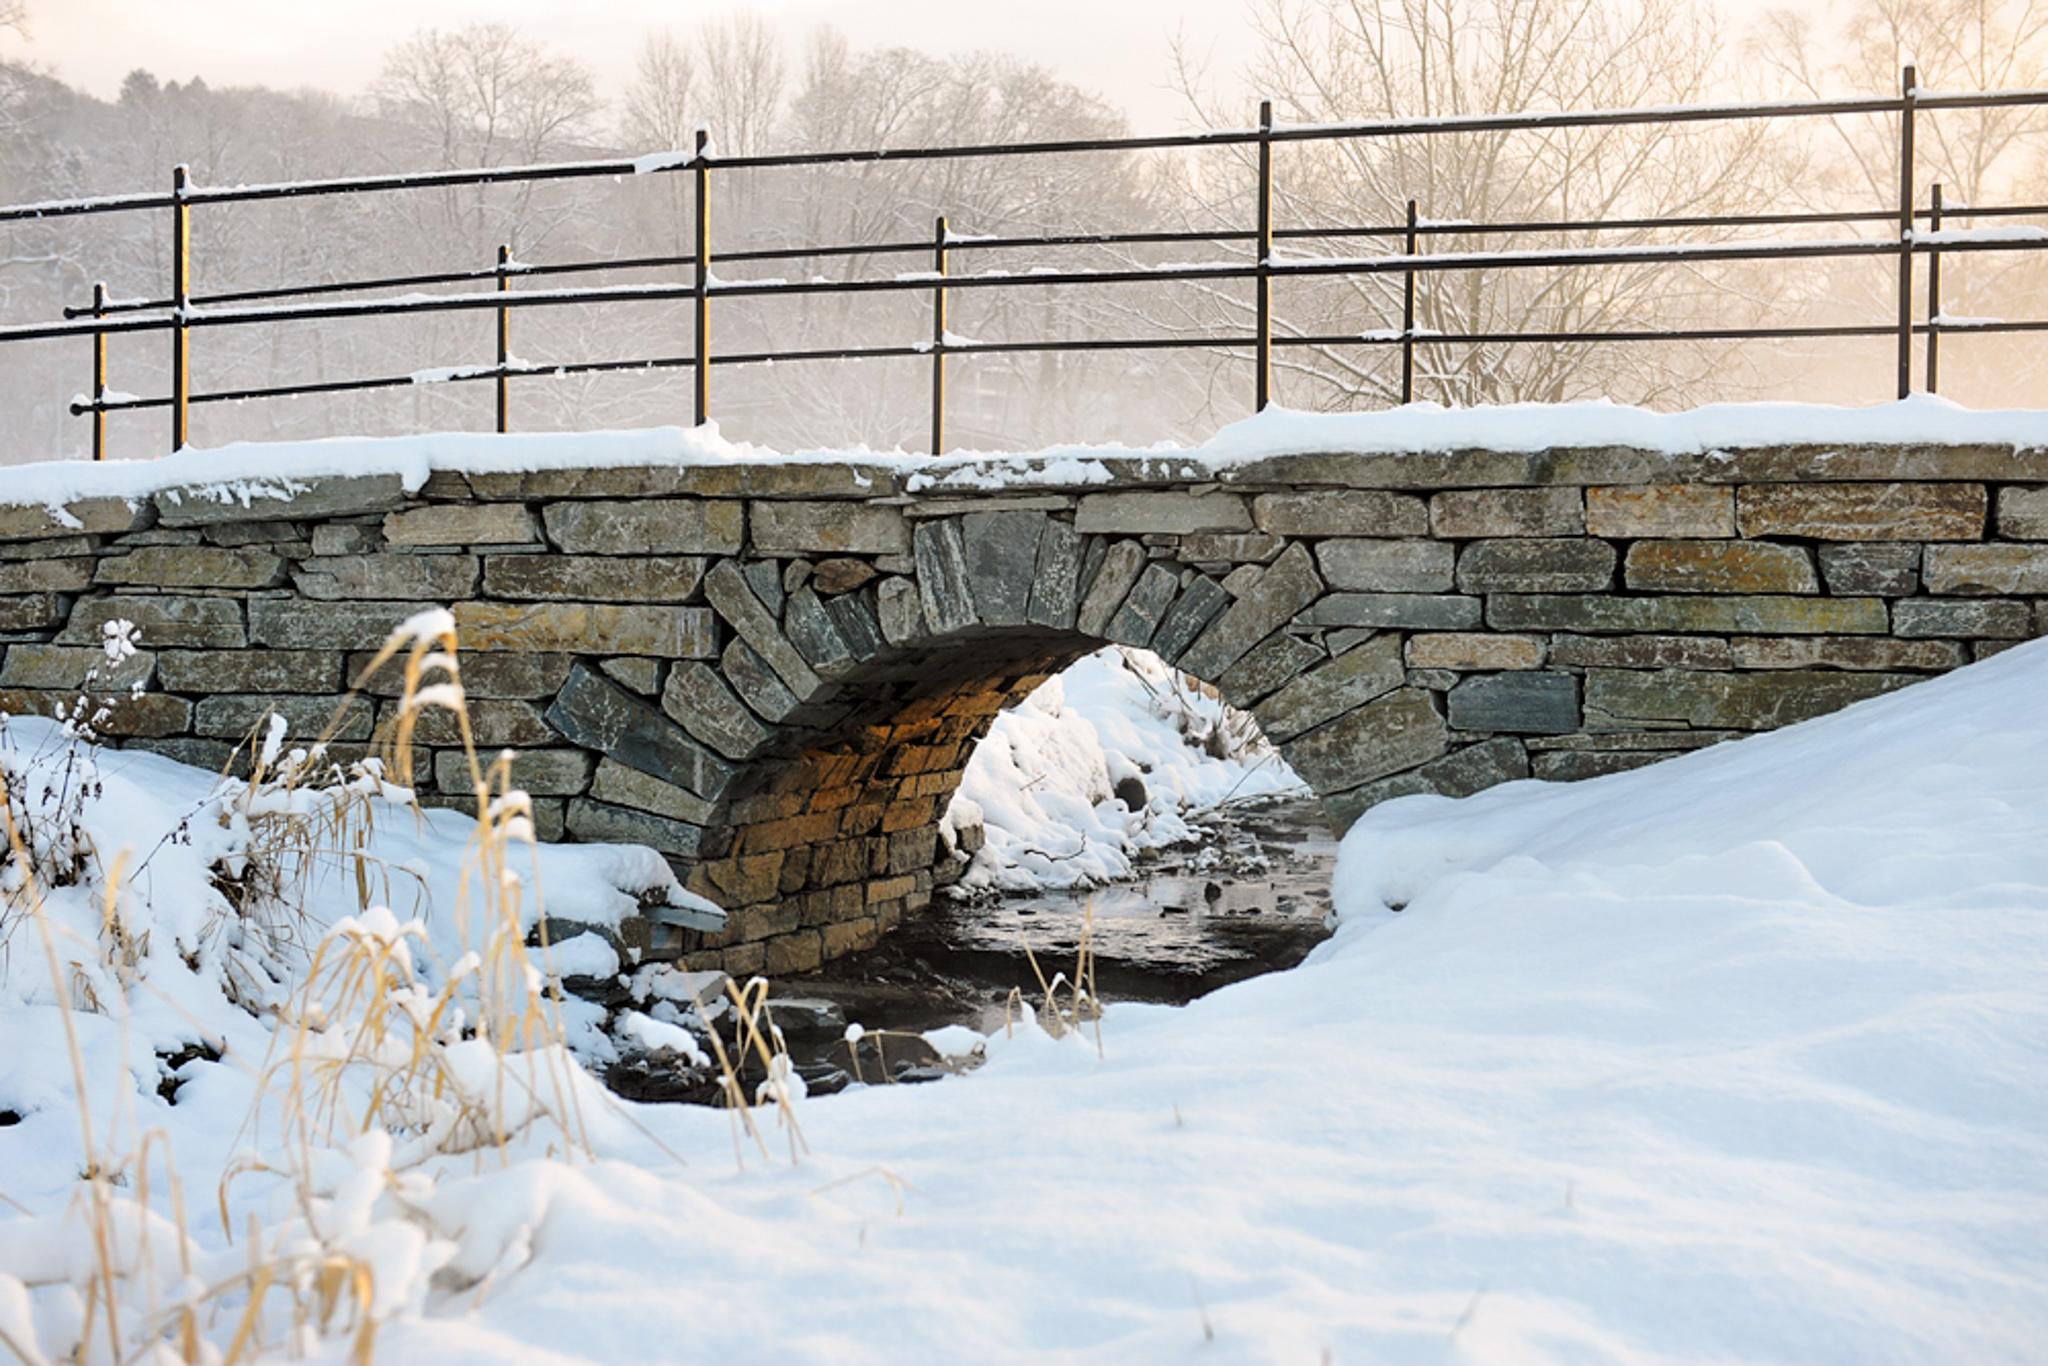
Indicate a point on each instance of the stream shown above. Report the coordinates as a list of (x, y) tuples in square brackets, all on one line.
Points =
[(1250, 897)]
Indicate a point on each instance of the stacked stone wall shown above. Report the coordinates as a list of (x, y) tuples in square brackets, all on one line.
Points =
[(775, 673)]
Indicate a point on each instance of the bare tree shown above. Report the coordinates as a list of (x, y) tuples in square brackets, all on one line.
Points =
[(484, 96), (743, 82), (660, 109), (1345, 60)]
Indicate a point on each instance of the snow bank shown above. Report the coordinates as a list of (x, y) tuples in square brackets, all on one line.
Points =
[(1101, 763), (1418, 428)]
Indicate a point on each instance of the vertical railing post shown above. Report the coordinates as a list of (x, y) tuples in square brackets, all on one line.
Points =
[(181, 303), (1908, 98), (702, 299), (1264, 304), (1408, 314), (99, 373), (504, 340), (939, 263), (1934, 293)]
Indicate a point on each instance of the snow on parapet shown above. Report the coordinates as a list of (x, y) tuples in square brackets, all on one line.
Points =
[(1421, 429)]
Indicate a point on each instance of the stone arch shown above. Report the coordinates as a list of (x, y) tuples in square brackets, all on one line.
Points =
[(802, 773)]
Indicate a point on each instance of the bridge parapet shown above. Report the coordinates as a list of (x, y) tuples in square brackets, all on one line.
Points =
[(775, 671)]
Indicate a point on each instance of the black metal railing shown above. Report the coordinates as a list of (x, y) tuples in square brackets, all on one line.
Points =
[(184, 312)]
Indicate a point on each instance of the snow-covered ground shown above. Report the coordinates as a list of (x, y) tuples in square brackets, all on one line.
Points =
[(1103, 762), (1737, 1058)]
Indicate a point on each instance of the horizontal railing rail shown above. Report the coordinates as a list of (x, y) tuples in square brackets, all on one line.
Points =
[(1917, 232)]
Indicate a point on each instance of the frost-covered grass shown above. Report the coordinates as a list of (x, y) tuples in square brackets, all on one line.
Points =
[(1103, 762), (1737, 1058)]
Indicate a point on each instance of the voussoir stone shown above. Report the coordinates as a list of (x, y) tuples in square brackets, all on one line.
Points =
[(1331, 689), (700, 701), (597, 714), (1056, 577), (1002, 559), (944, 587), (1386, 735), (1283, 589)]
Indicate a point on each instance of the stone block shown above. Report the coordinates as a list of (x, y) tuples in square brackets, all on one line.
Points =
[(597, 714), (1474, 651), (1122, 562), (504, 673), (344, 538), (32, 612), (1331, 689), (148, 715), (1720, 567), (1462, 772), (351, 578), (1914, 618), (1599, 614), (656, 526), (698, 699), (462, 524), (641, 675), (261, 500), (1863, 512), (536, 772), (250, 671), (71, 666), (1575, 765), (51, 576), (1419, 566), (1640, 652), (1389, 734), (789, 954), (1857, 567), (1056, 581), (235, 535), (854, 616), (589, 819), (85, 516), (1987, 570), (498, 723), (1844, 652), (1336, 512), (206, 567), (1135, 512), (231, 716), (663, 632), (1525, 703), (1628, 511), (618, 785), (163, 621), (2023, 513), (51, 548), (1621, 700), (1536, 564), (1138, 618), (1230, 547), (1468, 514), (834, 528), (1002, 561), (1267, 666), (1289, 585), (943, 585), (765, 577), (1396, 611), (592, 578)]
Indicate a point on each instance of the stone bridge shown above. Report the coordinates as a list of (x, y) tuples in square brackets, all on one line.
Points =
[(774, 672)]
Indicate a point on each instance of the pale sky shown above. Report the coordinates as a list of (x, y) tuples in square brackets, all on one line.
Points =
[(1115, 47)]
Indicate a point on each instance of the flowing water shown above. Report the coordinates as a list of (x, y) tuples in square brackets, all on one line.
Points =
[(1251, 896)]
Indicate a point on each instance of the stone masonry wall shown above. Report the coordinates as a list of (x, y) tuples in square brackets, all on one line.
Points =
[(775, 672)]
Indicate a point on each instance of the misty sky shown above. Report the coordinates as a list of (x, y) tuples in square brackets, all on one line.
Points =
[(1116, 47)]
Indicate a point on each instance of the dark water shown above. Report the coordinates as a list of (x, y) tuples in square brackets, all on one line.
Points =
[(1251, 896)]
